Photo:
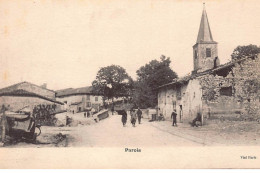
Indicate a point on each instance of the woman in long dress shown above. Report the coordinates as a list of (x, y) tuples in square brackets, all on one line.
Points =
[(133, 117)]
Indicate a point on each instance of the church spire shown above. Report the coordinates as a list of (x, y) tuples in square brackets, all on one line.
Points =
[(205, 50), (204, 34)]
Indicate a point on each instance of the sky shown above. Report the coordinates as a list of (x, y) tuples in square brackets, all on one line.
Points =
[(65, 43)]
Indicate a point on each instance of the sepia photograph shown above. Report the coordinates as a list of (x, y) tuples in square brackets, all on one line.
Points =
[(154, 84)]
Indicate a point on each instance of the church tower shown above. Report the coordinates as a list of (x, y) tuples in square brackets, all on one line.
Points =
[(205, 51)]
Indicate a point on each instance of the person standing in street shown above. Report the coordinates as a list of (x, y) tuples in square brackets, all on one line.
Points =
[(133, 117), (92, 111), (88, 113), (173, 116), (124, 117), (139, 115), (112, 109)]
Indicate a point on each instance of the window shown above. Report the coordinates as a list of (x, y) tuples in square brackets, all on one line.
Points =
[(88, 104), (226, 91), (88, 97), (208, 52), (174, 104), (178, 94), (195, 54), (96, 99)]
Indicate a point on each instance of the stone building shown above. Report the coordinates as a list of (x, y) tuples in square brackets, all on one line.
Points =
[(210, 89), (80, 99), (26, 94)]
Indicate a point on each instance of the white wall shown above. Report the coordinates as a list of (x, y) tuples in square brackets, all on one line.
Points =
[(166, 99), (17, 103), (83, 99), (190, 100)]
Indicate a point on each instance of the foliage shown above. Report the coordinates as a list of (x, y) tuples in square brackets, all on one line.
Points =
[(143, 95), (45, 114), (112, 82), (149, 78), (242, 51)]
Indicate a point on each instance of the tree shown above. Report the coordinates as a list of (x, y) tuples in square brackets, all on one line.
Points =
[(242, 51), (112, 82), (149, 78)]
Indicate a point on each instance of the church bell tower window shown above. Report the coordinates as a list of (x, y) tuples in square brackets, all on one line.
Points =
[(208, 52)]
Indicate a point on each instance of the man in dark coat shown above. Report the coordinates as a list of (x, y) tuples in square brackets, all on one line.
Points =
[(88, 113), (139, 115), (124, 117), (197, 121), (173, 116)]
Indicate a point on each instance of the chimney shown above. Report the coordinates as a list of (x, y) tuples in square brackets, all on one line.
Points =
[(44, 85)]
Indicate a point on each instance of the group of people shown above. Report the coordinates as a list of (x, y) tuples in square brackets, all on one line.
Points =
[(173, 117), (87, 114), (138, 115), (195, 122), (134, 115)]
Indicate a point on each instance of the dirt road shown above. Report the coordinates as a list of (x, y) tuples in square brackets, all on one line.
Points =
[(107, 133), (111, 133)]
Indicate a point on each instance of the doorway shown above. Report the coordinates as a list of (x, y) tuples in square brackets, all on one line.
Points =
[(181, 113)]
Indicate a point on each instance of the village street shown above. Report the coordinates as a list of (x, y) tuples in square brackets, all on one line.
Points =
[(111, 133)]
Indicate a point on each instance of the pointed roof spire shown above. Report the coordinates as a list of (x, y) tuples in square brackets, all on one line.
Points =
[(204, 34)]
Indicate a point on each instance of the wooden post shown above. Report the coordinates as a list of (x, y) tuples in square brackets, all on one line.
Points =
[(3, 124), (202, 116)]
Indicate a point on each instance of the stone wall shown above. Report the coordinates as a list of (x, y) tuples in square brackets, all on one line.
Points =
[(218, 96)]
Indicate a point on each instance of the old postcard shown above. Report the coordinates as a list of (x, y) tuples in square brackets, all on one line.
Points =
[(129, 84)]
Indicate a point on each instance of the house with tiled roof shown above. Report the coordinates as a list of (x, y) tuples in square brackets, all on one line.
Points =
[(80, 99), (25, 94)]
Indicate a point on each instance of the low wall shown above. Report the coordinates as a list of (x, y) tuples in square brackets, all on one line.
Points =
[(102, 114)]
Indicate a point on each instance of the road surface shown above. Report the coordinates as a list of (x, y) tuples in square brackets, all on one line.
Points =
[(111, 133)]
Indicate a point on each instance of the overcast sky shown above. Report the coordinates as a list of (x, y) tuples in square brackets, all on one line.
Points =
[(64, 43)]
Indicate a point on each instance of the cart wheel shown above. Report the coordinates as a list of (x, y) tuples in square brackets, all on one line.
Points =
[(39, 128)]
